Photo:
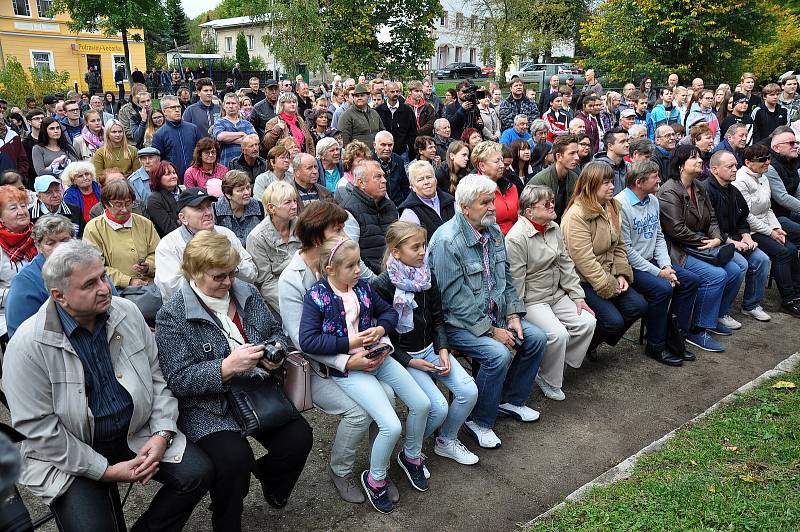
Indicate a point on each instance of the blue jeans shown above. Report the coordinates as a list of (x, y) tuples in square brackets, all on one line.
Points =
[(500, 379), (756, 266), (718, 289), (615, 315), (365, 389), (792, 227), (664, 300), (464, 389)]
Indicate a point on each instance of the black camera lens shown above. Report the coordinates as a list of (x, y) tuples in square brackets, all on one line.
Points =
[(274, 353)]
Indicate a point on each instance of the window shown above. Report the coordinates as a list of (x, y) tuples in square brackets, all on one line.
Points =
[(228, 44), (21, 8), (443, 19), (44, 8), (473, 21), (42, 60), (117, 61), (458, 54), (250, 42), (459, 21), (473, 55)]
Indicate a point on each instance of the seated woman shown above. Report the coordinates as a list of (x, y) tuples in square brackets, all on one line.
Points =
[(81, 188), (278, 163), (27, 293), (544, 275), (116, 151), (703, 139), (428, 205), (273, 242), (162, 204), (521, 160), (455, 167), (211, 330), (591, 229), (205, 164), (127, 241), (766, 230), (115, 174), (688, 220), (237, 209), (487, 159), (320, 221)]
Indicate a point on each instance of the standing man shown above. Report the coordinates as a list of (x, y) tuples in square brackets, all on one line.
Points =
[(348, 101), (123, 427), (627, 101), (663, 114), (430, 97), (550, 92), (204, 112), (133, 116), (304, 101), (482, 315), (236, 74), (399, 120), (264, 111), (560, 176), (255, 92), (515, 104), (769, 114), (590, 109), (672, 82), (464, 113), (231, 130), (360, 121), (788, 96), (592, 86), (72, 123), (175, 140)]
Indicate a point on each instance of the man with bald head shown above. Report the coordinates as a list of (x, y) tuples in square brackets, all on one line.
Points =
[(697, 84), (784, 181), (392, 165), (398, 119)]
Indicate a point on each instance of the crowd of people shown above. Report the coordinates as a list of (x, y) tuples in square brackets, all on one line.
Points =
[(148, 255)]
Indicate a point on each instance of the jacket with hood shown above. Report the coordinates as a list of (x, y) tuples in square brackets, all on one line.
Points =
[(11, 145), (707, 115)]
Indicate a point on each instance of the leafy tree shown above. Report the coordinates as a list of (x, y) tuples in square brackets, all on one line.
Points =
[(124, 15), (780, 53), (16, 83), (631, 38), (242, 55), (178, 24)]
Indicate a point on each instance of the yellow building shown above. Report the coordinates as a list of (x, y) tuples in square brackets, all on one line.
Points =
[(39, 41)]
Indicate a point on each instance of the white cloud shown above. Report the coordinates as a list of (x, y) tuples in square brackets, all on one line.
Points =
[(195, 7)]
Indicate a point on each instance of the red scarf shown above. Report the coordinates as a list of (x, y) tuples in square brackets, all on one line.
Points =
[(115, 220), (18, 246), (297, 133)]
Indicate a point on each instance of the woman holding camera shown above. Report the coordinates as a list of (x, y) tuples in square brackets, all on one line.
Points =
[(213, 329)]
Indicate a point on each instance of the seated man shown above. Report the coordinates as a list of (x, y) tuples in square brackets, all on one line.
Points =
[(669, 289), (519, 131), (393, 166), (67, 363), (195, 213), (50, 195), (482, 310)]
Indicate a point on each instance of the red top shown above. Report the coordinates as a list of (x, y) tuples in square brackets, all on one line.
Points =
[(507, 206), (89, 201)]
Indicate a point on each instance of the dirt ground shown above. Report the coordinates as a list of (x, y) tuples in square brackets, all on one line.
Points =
[(614, 407)]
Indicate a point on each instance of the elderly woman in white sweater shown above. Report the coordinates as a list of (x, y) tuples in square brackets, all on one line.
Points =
[(766, 229)]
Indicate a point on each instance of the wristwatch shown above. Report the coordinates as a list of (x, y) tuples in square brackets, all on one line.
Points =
[(167, 435)]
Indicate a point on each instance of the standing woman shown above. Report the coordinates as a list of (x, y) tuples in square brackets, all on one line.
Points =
[(487, 158), (245, 107), (162, 204), (647, 90), (92, 137), (154, 122), (288, 123), (119, 79), (213, 329), (680, 95), (318, 121), (236, 209), (703, 111), (110, 104), (491, 120), (591, 229), (585, 154), (116, 152), (17, 248), (205, 164), (81, 186), (455, 168), (53, 152), (609, 116)]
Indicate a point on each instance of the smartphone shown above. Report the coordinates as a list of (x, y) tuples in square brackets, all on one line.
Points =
[(438, 368), (141, 260), (376, 350)]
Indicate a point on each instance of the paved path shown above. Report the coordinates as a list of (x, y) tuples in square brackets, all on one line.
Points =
[(614, 407)]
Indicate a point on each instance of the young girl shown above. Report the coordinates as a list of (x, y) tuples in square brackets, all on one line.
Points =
[(342, 316), (420, 340), (521, 160)]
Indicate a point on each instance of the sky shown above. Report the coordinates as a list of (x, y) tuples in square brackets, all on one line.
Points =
[(195, 7)]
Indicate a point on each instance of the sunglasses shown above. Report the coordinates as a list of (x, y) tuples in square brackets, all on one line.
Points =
[(220, 277), (760, 159)]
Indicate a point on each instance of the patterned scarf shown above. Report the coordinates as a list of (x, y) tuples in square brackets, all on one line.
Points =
[(297, 133), (18, 246), (407, 280), (93, 142)]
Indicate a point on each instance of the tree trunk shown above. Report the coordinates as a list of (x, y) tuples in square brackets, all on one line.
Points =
[(127, 53)]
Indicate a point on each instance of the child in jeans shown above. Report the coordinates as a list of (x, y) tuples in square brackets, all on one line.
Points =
[(342, 316)]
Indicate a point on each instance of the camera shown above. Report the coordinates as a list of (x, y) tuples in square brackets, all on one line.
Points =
[(515, 336), (472, 94), (274, 353)]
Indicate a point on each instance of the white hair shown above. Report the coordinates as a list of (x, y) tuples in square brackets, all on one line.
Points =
[(383, 134), (519, 118), (439, 122), (416, 168), (75, 168), (471, 187), (63, 262), (575, 122)]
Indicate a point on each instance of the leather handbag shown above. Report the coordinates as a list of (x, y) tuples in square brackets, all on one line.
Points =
[(297, 384), (259, 404), (718, 256)]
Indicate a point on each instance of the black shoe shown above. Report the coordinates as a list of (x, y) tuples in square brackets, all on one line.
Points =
[(793, 309), (414, 472), (689, 356), (592, 354), (663, 356), (275, 501)]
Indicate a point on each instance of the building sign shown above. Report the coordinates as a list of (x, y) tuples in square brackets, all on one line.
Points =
[(99, 47), (36, 26)]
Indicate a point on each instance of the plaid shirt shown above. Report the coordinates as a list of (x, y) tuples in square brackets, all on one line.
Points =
[(483, 238)]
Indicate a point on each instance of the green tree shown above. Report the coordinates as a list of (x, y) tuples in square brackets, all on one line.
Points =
[(93, 15), (411, 40), (631, 38), (177, 22), (16, 83), (242, 55), (780, 53)]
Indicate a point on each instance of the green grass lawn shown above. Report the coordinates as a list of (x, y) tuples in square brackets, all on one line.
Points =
[(737, 469)]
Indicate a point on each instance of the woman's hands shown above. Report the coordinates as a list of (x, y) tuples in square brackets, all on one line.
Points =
[(367, 337), (622, 284), (710, 243), (241, 359)]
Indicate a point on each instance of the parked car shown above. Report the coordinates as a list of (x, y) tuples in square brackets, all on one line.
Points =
[(541, 72), (487, 71), (459, 70)]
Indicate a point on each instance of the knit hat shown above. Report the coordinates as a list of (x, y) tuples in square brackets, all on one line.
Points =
[(738, 98)]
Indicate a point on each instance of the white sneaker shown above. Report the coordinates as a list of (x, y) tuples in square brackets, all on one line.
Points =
[(455, 450), (551, 392), (521, 413), (729, 322), (757, 313), (485, 437)]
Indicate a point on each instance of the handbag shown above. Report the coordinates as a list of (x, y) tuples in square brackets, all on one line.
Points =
[(258, 402), (297, 384), (718, 256)]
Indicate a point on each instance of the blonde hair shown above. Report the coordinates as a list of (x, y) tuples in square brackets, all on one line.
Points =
[(398, 233), (105, 149), (205, 251), (482, 151), (333, 251), (276, 193)]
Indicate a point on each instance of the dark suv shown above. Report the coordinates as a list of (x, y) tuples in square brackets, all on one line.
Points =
[(459, 70)]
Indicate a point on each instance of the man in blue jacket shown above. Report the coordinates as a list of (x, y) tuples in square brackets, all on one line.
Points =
[(176, 139)]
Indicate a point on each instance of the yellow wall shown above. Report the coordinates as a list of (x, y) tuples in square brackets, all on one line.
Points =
[(19, 35)]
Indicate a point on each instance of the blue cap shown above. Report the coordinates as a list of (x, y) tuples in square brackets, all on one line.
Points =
[(43, 182)]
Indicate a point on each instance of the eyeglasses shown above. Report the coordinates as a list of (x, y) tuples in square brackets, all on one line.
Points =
[(220, 277), (760, 159), (546, 204), (121, 204), (210, 152), (792, 143), (73, 110), (170, 107)]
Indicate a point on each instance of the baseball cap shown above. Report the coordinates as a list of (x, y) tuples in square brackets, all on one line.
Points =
[(626, 113), (49, 100), (43, 182), (192, 197), (271, 83)]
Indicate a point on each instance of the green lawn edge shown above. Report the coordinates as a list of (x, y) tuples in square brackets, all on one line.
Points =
[(736, 469)]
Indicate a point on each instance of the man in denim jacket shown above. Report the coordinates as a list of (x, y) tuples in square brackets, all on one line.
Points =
[(482, 310)]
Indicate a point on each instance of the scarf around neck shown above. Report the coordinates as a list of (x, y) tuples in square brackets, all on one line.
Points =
[(219, 306), (92, 141), (407, 280), (18, 246), (297, 133)]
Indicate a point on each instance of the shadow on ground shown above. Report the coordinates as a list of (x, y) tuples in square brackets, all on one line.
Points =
[(614, 407)]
